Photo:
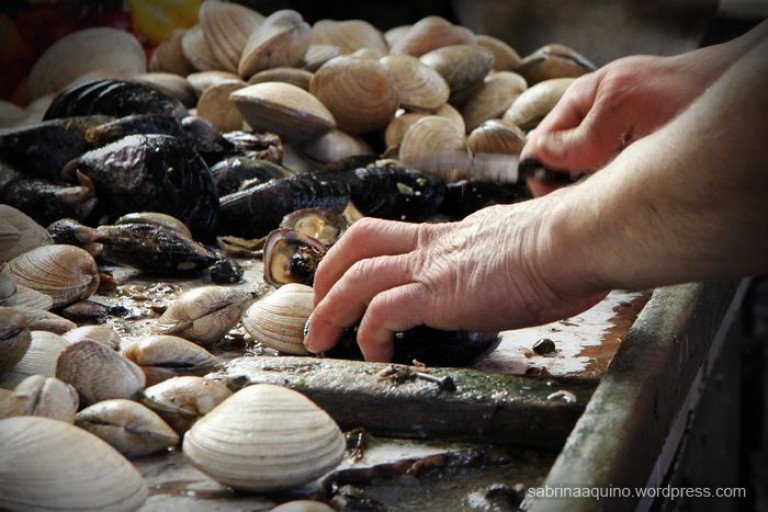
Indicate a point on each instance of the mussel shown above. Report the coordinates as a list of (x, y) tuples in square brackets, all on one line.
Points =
[(230, 173), (291, 256), (467, 196)]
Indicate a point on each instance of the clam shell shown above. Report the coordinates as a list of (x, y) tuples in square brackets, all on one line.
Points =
[(430, 135), (528, 109), (463, 66), (358, 92), (395, 34), (418, 86), (52, 465), (285, 109), (265, 438), (336, 145), (430, 33), (227, 27), (294, 76), (14, 338), (41, 320), (202, 80), (196, 50), (553, 61), (493, 98), (204, 314), (98, 373), (277, 320), (27, 298), (319, 54), (493, 136), (74, 55), (506, 58), (130, 427), (181, 401), (19, 233), (39, 359), (303, 506), (98, 333), (396, 129), (215, 106), (349, 35), (64, 272), (282, 40), (171, 84), (168, 56), (290, 256), (41, 396), (163, 357)]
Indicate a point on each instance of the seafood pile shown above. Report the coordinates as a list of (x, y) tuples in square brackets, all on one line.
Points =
[(249, 138)]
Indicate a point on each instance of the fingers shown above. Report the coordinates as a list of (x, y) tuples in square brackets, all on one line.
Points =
[(348, 299), (367, 238)]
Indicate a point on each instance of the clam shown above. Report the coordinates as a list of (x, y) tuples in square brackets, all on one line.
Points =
[(23, 297), (395, 34), (171, 84), (90, 49), (430, 33), (358, 92), (294, 76), (418, 86), (168, 56), (227, 27), (323, 224), (197, 51), (493, 98), (64, 272), (215, 106), (162, 357), (534, 103), (281, 40), (428, 136), (265, 438), (277, 320), (336, 145), (393, 135), (349, 35), (98, 333), (19, 233), (39, 359), (41, 396), (52, 465), (181, 401), (285, 109), (130, 427), (41, 320), (98, 373), (204, 314), (14, 338), (291, 257), (553, 61), (319, 54), (202, 80), (463, 66), (303, 506), (493, 136), (506, 58)]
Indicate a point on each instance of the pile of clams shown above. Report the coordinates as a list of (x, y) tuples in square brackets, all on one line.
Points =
[(220, 173)]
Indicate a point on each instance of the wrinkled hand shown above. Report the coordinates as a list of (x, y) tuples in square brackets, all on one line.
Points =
[(489, 272), (604, 111)]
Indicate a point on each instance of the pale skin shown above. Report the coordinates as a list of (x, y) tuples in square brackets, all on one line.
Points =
[(682, 199)]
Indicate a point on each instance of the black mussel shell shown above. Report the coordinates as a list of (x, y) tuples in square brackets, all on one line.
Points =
[(156, 173), (426, 345), (133, 125), (254, 212), (113, 98), (44, 201), (465, 197), (226, 272), (388, 190), (351, 163), (230, 173)]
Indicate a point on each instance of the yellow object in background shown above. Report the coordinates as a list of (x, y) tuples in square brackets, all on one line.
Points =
[(154, 20)]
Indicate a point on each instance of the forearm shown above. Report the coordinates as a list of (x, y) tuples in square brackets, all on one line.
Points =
[(686, 203)]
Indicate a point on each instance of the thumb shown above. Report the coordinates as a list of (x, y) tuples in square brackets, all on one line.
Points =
[(585, 147)]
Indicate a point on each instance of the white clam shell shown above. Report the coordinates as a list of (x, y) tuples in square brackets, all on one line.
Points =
[(181, 401), (51, 465), (277, 320), (265, 438), (41, 396), (40, 358)]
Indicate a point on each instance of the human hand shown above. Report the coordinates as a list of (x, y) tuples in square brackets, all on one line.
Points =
[(489, 272), (604, 111)]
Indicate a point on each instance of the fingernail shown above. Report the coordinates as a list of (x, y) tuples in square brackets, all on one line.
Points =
[(307, 340)]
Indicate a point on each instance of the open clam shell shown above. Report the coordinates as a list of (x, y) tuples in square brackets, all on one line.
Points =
[(290, 256), (52, 465), (265, 438), (41, 396), (277, 320), (64, 272), (281, 40)]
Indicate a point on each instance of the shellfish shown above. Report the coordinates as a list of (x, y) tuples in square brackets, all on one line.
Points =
[(290, 256), (281, 40), (239, 445), (162, 357), (181, 401), (277, 320), (14, 338), (38, 395)]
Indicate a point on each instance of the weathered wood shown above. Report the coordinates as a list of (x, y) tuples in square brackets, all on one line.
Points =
[(484, 408)]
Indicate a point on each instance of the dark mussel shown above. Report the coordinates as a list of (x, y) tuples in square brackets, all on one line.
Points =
[(45, 201), (152, 173), (214, 146), (132, 125), (230, 173), (291, 257), (151, 248), (116, 98), (350, 163), (387, 190), (465, 197), (42, 149), (431, 347), (254, 212), (265, 146)]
